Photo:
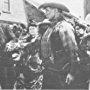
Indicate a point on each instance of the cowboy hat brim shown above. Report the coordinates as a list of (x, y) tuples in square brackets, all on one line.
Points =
[(54, 5)]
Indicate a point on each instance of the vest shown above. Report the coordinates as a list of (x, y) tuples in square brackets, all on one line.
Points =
[(46, 44)]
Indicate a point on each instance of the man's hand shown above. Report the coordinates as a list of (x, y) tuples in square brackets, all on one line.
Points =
[(69, 78)]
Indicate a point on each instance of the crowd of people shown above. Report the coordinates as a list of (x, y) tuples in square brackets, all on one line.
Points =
[(52, 54)]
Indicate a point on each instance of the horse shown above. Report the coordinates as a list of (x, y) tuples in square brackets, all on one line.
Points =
[(7, 73), (30, 68)]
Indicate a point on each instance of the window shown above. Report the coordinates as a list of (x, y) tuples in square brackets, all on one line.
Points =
[(6, 6)]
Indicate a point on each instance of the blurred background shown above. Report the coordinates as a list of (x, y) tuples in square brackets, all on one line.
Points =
[(76, 6), (12, 10)]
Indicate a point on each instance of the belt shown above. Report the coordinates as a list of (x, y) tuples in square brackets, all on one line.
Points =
[(59, 51)]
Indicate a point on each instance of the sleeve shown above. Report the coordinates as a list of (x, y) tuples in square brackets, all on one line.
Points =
[(69, 42), (73, 49)]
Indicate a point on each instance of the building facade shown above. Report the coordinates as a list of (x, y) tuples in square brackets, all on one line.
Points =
[(87, 11), (13, 11), (86, 7)]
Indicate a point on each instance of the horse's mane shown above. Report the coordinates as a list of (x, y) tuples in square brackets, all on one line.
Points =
[(6, 32)]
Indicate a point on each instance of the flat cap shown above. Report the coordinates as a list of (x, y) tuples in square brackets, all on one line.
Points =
[(54, 5)]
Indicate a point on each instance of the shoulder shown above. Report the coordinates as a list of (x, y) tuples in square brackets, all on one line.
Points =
[(66, 24), (63, 25)]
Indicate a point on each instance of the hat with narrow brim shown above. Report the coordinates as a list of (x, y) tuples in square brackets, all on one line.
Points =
[(54, 5)]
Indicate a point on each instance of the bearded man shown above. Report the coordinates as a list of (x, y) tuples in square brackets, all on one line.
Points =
[(65, 32)]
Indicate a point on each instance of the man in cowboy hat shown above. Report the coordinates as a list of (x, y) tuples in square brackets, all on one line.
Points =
[(54, 12)]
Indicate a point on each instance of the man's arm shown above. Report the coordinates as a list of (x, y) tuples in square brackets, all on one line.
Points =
[(67, 36)]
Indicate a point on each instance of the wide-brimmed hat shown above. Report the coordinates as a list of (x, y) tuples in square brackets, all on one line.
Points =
[(54, 5)]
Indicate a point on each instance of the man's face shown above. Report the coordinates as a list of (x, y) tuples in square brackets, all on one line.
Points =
[(50, 13)]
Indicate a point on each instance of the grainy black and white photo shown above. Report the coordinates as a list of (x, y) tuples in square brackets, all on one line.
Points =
[(45, 44)]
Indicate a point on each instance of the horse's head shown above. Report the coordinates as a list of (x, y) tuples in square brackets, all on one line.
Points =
[(5, 34)]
